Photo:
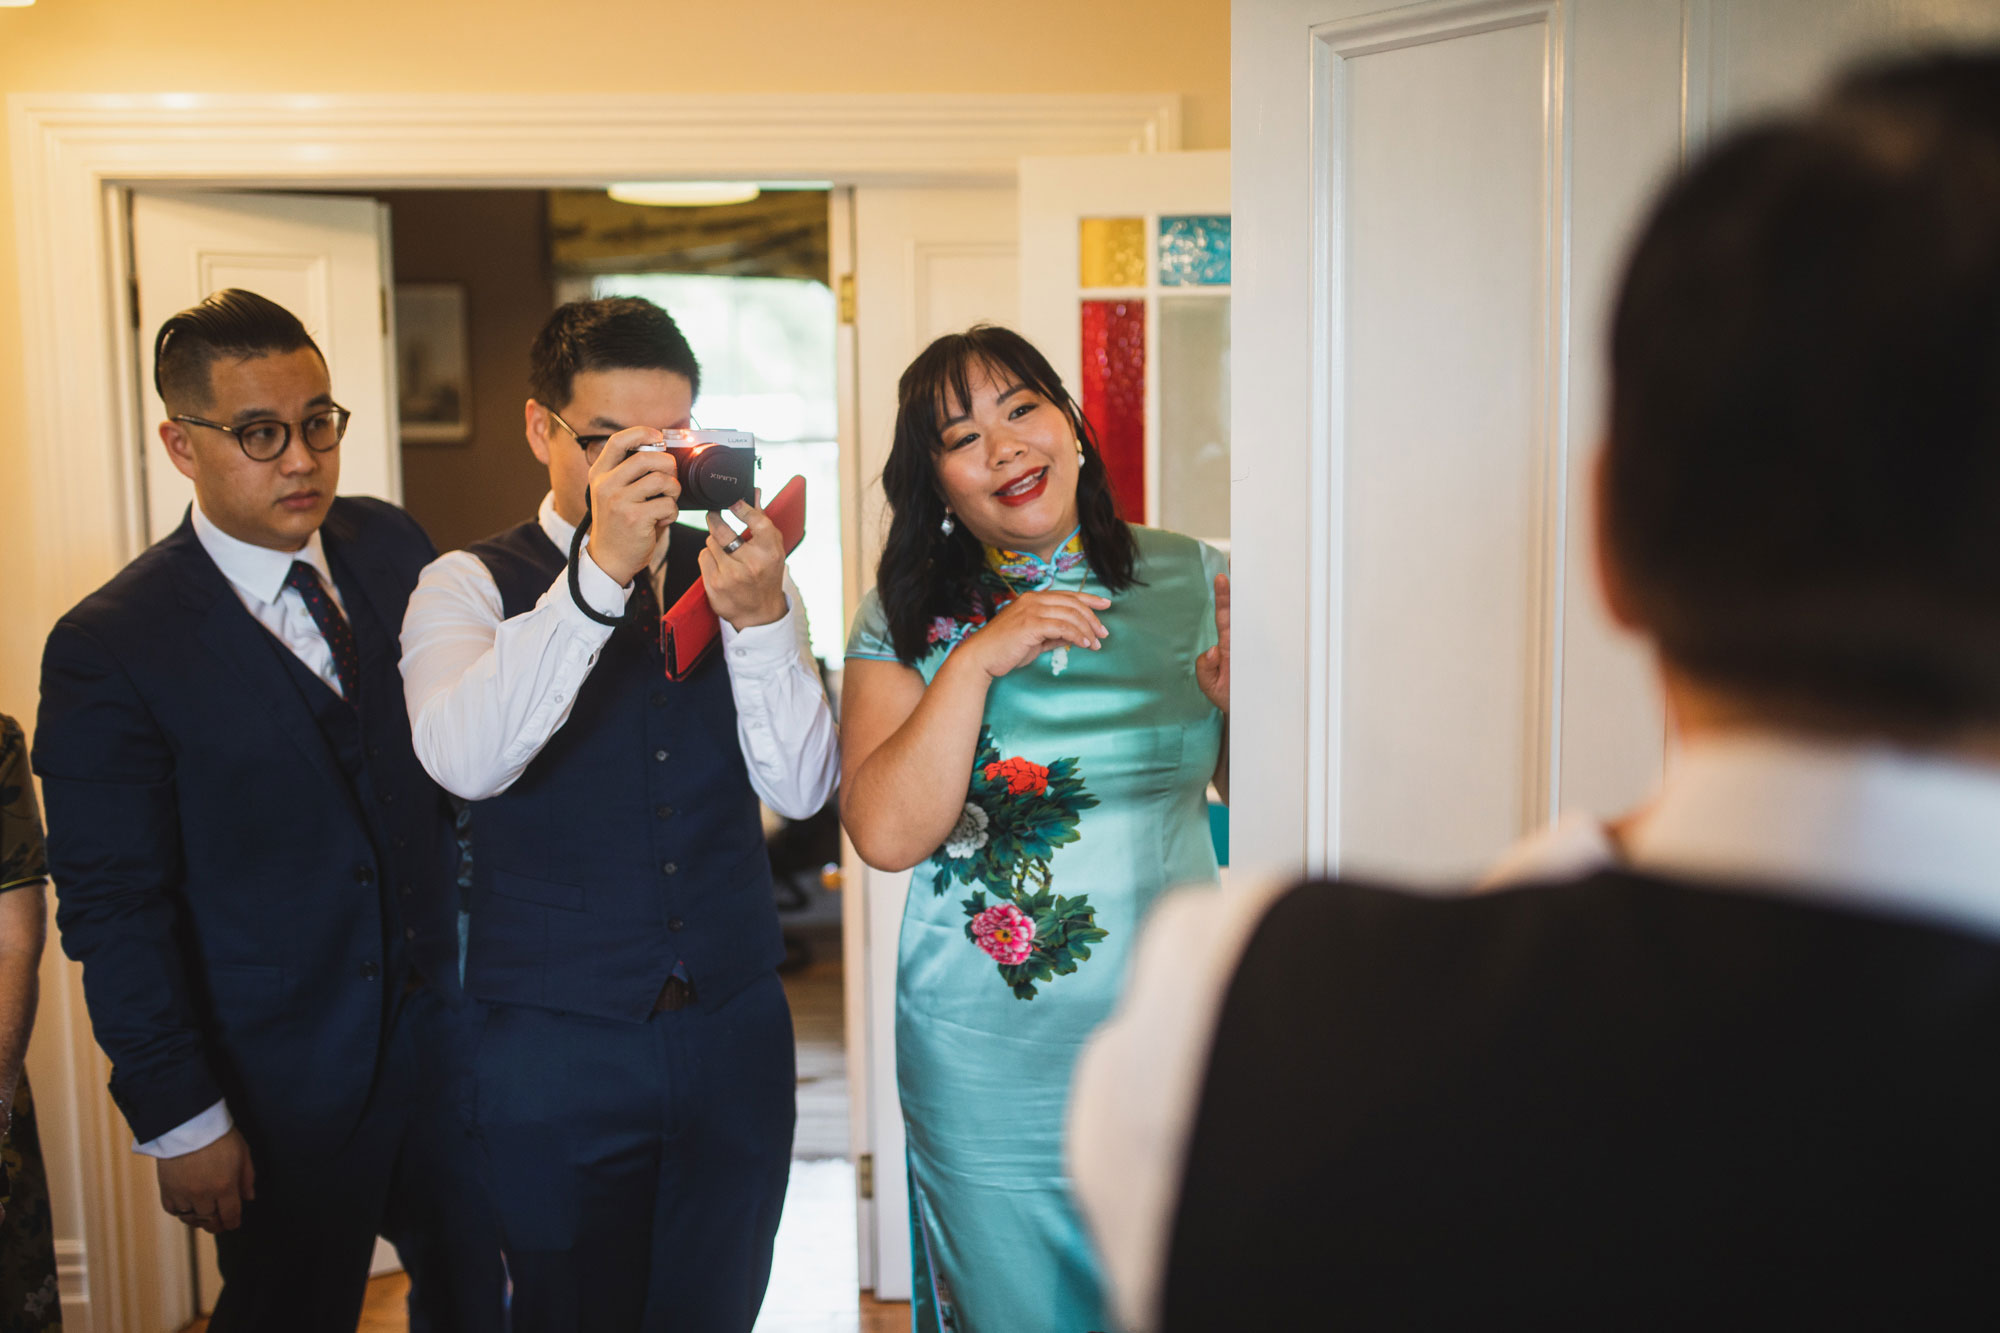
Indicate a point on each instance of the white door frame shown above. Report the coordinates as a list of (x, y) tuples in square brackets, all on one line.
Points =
[(76, 155)]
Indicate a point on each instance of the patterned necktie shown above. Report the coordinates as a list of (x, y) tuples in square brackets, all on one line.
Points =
[(642, 608), (333, 627)]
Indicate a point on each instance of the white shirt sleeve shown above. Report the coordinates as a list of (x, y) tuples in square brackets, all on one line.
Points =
[(191, 1135), (1139, 1084), (783, 722), (485, 693)]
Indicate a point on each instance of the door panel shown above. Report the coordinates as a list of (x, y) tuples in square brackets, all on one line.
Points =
[(926, 262), (324, 259), (1430, 218)]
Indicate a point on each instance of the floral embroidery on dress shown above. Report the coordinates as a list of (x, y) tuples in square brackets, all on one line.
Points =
[(1017, 814)]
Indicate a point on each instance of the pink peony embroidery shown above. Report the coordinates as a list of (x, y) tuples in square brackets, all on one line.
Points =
[(1006, 933)]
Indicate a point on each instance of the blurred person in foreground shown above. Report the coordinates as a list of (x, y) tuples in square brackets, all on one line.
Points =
[(29, 1298), (1741, 1074)]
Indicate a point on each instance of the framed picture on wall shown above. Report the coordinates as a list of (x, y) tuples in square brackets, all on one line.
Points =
[(433, 367)]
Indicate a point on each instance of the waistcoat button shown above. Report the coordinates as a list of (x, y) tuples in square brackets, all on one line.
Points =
[(663, 811), (658, 698), (364, 875), (669, 868), (675, 923), (660, 756), (369, 971)]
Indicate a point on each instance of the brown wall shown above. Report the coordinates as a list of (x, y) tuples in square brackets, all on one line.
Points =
[(492, 241)]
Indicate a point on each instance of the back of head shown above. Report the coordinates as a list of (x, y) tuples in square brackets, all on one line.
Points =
[(1802, 486), (609, 333), (232, 324)]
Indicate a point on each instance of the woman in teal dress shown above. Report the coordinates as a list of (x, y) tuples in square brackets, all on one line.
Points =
[(1035, 702)]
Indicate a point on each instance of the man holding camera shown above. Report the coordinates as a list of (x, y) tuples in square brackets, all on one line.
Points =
[(251, 865), (633, 1080)]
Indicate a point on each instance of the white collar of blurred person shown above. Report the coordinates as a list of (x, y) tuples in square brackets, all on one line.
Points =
[(1866, 826)]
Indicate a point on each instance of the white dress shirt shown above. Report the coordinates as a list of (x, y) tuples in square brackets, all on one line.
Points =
[(1871, 828), (486, 693), (257, 575)]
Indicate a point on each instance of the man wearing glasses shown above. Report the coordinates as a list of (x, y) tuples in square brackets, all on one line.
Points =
[(634, 1075), (250, 864)]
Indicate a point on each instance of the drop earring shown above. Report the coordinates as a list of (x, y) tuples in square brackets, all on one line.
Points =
[(948, 526)]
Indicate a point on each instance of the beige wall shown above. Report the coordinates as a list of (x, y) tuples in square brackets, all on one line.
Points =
[(1027, 46)]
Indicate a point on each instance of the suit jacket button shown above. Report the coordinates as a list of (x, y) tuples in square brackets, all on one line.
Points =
[(374, 752), (370, 971), (409, 932), (675, 923), (659, 756), (670, 868), (364, 875), (663, 811), (406, 890), (658, 698)]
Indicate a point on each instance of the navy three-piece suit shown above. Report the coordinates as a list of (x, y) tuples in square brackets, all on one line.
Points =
[(258, 878)]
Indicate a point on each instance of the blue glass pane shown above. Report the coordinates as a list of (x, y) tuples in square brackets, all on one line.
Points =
[(1194, 251)]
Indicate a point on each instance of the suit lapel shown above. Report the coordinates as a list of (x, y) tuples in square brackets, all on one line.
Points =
[(227, 629)]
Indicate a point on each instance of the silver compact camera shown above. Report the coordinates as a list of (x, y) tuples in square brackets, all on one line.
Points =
[(716, 468)]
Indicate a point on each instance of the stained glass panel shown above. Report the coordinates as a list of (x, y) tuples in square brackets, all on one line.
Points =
[(1194, 415), (1112, 252), (1194, 251), (1114, 396)]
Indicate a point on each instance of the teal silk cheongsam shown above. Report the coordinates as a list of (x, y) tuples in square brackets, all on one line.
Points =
[(1086, 802)]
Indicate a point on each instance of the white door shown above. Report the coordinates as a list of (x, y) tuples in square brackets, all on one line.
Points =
[(1125, 269), (1431, 206), (326, 260), (924, 263)]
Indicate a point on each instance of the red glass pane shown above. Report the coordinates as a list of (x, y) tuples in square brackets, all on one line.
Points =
[(1114, 396)]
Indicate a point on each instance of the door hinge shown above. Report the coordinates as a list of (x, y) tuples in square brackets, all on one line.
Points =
[(864, 1175), (847, 298)]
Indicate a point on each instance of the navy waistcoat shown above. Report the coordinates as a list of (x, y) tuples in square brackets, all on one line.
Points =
[(632, 842)]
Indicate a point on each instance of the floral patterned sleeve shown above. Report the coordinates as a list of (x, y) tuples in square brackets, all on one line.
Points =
[(23, 860), (870, 636)]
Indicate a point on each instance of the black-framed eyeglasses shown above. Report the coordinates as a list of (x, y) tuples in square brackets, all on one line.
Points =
[(590, 444), (262, 441)]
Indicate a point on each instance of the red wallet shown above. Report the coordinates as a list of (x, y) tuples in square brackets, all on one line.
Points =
[(689, 629)]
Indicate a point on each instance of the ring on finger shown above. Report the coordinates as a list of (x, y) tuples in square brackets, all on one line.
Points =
[(730, 549)]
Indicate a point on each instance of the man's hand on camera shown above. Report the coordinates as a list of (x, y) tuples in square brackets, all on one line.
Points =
[(633, 497), (746, 586)]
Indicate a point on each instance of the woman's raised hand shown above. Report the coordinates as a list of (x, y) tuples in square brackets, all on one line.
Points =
[(1032, 624), (1211, 669)]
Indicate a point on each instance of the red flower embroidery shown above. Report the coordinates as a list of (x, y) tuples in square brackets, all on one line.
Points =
[(1023, 777)]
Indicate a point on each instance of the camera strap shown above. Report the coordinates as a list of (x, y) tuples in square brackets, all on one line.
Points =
[(575, 586)]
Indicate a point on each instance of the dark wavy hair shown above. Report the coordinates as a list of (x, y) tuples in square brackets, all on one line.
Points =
[(924, 573)]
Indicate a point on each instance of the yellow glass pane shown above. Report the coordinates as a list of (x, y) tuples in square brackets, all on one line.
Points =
[(1113, 252)]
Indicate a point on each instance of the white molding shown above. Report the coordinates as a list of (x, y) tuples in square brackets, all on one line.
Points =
[(74, 157), (1333, 45)]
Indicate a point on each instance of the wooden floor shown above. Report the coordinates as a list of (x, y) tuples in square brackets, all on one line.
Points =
[(814, 1279)]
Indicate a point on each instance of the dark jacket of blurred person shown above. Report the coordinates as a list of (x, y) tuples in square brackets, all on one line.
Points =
[(1740, 1075)]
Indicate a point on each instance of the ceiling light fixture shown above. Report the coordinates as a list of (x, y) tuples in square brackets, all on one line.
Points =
[(684, 194)]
